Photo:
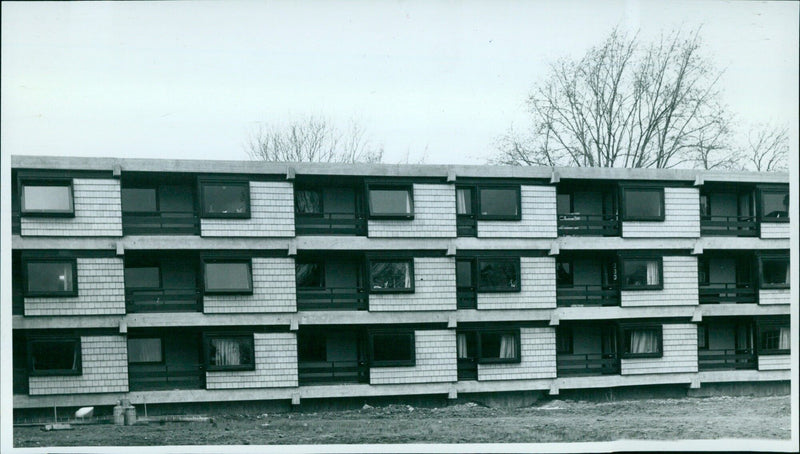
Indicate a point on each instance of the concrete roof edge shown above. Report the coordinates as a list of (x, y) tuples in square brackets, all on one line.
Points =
[(388, 170)]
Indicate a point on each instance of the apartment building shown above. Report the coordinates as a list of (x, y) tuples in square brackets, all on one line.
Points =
[(167, 281)]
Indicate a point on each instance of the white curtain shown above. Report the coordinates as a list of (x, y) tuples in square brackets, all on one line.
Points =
[(652, 273), (408, 203), (644, 342), (508, 348), (783, 339), (461, 201), (461, 345), (66, 278), (227, 352), (788, 274), (407, 280)]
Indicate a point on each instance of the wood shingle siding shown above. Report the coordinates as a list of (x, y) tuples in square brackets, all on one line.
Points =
[(434, 215), (679, 355), (774, 362), (276, 365), (538, 358), (271, 214), (680, 286), (538, 287), (434, 288), (538, 216), (774, 296), (770, 230), (435, 361), (681, 217)]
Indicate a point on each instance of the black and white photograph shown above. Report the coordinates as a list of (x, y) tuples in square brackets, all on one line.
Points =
[(399, 226)]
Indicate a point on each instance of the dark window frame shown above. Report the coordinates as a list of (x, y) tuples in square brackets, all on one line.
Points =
[(409, 260), (629, 218), (320, 262), (763, 216), (624, 286), (762, 326), (78, 370), (391, 363), (50, 294), (497, 217), (625, 328), (145, 363), (55, 181), (472, 202), (479, 332), (206, 260), (571, 263), (202, 182), (768, 257), (207, 337), (480, 288), (408, 187)]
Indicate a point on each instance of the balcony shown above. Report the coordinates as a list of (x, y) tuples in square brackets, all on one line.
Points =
[(165, 376), (326, 372), (330, 224), (719, 293), (728, 225), (163, 300), (587, 295), (588, 224), (466, 298), (587, 364), (160, 223), (726, 359), (332, 298), (466, 226)]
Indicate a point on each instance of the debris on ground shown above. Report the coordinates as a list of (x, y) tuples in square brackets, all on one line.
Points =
[(58, 426)]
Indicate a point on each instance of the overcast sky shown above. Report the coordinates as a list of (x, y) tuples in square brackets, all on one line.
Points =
[(194, 79)]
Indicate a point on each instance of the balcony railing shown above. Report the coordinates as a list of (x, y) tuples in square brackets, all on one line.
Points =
[(466, 298), (146, 377), (330, 224), (587, 364), (727, 294), (320, 372), (160, 223), (164, 300), (466, 225), (726, 359), (587, 295), (728, 225), (588, 224), (332, 298)]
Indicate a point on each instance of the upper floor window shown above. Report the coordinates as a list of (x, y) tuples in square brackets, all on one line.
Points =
[(229, 352), (643, 341), (775, 271), (564, 274), (307, 201), (391, 276), (227, 276), (498, 274), (46, 198), (642, 204), (392, 348), (774, 204), (225, 199), (464, 201), (309, 274), (395, 201), (642, 273), (50, 277), (54, 356), (499, 203), (139, 200), (143, 277), (774, 337)]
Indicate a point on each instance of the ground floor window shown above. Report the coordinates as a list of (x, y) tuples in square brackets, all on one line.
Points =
[(54, 356), (395, 348), (229, 352), (489, 346), (642, 341)]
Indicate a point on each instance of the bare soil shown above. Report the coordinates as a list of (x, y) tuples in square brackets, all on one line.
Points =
[(548, 421)]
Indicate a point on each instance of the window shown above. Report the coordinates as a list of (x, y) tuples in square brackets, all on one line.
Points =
[(702, 337), (564, 203), (142, 277), (46, 198), (498, 274), (307, 201), (50, 277), (309, 275), (389, 276), (774, 338), (312, 346), (499, 203), (642, 204), (564, 276), (229, 352), (775, 205), (391, 202), (464, 201), (489, 346), (642, 274), (143, 350), (225, 199), (464, 273), (392, 349), (642, 342), (563, 340), (703, 271), (54, 356), (775, 272), (139, 200), (228, 276)]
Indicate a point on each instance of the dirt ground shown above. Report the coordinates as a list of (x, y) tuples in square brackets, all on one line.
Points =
[(548, 421)]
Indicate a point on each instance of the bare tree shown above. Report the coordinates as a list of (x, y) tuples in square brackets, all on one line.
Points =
[(313, 139), (626, 104), (767, 148)]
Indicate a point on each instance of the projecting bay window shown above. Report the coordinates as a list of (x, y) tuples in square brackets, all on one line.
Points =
[(229, 352), (642, 273), (774, 204), (225, 199), (775, 271), (54, 356), (391, 348), (391, 275), (391, 201), (644, 203), (644, 341), (51, 197), (50, 277), (227, 276)]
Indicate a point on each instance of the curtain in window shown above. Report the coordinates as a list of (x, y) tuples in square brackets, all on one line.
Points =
[(227, 352), (788, 274), (307, 202), (461, 345), (652, 273), (743, 341), (144, 350), (783, 338), (388, 275), (644, 342), (508, 348), (65, 278), (461, 201)]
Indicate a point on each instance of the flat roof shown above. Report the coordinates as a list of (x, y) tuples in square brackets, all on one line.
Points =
[(387, 170)]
